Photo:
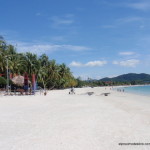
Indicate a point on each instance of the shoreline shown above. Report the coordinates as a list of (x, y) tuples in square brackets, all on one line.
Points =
[(128, 89)]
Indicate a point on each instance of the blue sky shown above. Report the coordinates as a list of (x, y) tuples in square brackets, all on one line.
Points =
[(95, 38)]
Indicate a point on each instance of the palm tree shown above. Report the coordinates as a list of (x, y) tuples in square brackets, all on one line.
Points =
[(48, 72), (2, 62), (42, 76), (44, 60), (3, 47), (32, 64), (64, 71), (65, 75), (17, 64)]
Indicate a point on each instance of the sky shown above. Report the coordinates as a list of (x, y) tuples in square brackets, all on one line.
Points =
[(95, 38)]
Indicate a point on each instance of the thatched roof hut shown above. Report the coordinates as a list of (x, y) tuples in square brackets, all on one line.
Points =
[(19, 80)]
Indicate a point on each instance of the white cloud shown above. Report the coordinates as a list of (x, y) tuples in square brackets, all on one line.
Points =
[(95, 63), (62, 21), (74, 47), (76, 64), (131, 19), (42, 48), (88, 64), (127, 63), (145, 5), (127, 53)]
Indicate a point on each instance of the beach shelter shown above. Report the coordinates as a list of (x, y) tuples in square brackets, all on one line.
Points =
[(18, 80)]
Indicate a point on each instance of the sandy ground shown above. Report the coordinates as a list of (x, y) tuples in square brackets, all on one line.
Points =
[(60, 121)]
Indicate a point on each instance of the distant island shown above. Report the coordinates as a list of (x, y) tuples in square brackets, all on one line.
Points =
[(125, 79), (130, 77)]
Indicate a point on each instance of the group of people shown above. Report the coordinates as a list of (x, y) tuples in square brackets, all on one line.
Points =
[(120, 90)]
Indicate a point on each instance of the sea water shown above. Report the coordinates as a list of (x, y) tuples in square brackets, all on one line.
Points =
[(141, 90)]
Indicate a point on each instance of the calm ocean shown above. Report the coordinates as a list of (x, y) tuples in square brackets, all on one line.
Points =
[(142, 90)]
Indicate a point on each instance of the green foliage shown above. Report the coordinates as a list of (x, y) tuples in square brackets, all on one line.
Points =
[(129, 78), (49, 74), (2, 81)]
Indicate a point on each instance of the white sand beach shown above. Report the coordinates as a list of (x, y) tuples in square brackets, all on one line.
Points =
[(60, 121)]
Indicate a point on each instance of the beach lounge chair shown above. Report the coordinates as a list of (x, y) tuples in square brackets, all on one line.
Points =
[(90, 93), (105, 94)]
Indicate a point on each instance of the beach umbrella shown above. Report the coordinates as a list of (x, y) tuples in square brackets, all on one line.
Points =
[(19, 80)]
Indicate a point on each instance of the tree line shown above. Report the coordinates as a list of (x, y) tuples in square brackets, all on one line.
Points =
[(49, 74), (96, 83)]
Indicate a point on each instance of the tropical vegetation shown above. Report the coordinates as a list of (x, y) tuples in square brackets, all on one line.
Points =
[(48, 73)]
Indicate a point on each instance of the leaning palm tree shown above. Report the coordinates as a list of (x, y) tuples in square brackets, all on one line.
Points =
[(65, 75), (42, 76), (64, 71)]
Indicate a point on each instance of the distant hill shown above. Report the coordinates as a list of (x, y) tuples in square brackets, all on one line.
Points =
[(129, 77)]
